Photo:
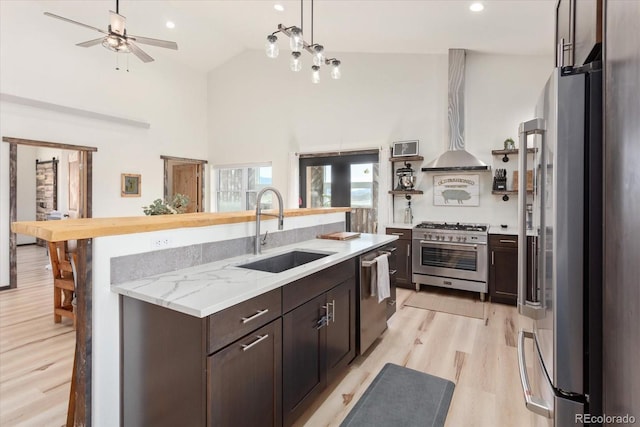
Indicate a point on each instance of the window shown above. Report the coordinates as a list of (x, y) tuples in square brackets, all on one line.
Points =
[(238, 187), (345, 180)]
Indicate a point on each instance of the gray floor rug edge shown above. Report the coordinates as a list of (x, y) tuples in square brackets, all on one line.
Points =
[(394, 399)]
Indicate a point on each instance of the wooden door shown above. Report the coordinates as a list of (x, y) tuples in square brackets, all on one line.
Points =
[(303, 357), (245, 380), (186, 180), (341, 340)]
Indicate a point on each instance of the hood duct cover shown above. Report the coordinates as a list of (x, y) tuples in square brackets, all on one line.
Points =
[(456, 158)]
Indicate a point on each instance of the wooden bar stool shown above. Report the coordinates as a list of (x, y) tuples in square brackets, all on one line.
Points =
[(63, 283)]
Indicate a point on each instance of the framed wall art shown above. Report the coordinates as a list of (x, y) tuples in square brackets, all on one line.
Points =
[(456, 190), (130, 185), (405, 148)]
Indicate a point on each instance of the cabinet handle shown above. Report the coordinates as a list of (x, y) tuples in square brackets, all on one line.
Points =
[(392, 302), (255, 316), (333, 311), (392, 272), (322, 322), (398, 234), (408, 250), (492, 261), (246, 347), (508, 241)]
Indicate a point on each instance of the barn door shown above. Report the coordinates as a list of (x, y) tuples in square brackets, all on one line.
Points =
[(46, 190)]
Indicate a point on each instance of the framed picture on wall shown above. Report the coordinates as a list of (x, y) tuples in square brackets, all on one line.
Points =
[(405, 148), (456, 190), (130, 185)]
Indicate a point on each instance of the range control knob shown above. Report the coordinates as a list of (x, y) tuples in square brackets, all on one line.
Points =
[(450, 238)]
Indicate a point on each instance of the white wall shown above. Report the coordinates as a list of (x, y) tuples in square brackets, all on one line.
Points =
[(47, 66), (270, 111)]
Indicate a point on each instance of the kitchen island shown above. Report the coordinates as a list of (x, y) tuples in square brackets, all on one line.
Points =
[(114, 251), (200, 344)]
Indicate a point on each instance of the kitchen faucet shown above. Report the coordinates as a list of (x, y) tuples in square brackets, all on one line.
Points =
[(280, 216)]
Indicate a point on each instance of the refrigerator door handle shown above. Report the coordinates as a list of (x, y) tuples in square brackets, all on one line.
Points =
[(534, 404), (532, 309)]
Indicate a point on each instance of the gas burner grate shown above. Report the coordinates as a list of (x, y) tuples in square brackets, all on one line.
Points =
[(452, 226)]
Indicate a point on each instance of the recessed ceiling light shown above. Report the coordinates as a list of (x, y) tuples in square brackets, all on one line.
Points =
[(278, 7), (476, 7), (171, 24)]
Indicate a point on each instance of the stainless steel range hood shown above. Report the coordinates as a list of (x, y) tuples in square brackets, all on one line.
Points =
[(456, 158)]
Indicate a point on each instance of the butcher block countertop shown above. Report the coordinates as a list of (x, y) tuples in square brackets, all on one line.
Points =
[(87, 228)]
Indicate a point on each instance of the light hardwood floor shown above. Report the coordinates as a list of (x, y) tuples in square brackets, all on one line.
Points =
[(36, 354), (479, 356)]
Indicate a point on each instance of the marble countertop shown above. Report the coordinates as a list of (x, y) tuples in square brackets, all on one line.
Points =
[(401, 225), (510, 230), (208, 288)]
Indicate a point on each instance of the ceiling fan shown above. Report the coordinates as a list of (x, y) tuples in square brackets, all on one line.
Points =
[(117, 39)]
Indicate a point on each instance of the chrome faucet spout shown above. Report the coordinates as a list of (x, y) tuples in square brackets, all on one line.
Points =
[(280, 215)]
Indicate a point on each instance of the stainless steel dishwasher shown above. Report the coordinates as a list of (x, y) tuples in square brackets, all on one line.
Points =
[(372, 315)]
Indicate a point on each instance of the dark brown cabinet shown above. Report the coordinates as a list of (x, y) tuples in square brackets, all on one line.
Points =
[(403, 275), (503, 268), (245, 373), (578, 31), (318, 341), (179, 369)]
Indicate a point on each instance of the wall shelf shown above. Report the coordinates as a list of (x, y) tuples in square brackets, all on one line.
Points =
[(506, 153), (405, 192), (406, 159), (506, 193)]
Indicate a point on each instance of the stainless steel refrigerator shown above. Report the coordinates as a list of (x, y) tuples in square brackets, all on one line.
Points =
[(565, 285)]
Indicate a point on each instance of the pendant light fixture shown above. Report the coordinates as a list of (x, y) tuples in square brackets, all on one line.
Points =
[(298, 44)]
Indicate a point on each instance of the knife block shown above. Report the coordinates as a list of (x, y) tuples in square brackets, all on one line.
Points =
[(499, 183)]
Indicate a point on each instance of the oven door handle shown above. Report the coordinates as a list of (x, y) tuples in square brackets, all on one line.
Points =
[(464, 245)]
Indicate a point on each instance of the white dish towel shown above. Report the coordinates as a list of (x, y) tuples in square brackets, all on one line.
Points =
[(382, 263)]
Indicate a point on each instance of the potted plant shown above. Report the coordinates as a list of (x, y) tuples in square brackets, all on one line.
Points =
[(509, 144), (175, 206)]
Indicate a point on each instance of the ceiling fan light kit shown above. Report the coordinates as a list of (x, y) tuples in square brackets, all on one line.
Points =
[(298, 44), (116, 38)]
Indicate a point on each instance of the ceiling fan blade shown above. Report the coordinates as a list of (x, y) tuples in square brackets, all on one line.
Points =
[(138, 52), (75, 22), (117, 23), (90, 42), (155, 42)]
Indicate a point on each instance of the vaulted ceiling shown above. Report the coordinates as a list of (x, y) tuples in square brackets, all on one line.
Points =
[(209, 32)]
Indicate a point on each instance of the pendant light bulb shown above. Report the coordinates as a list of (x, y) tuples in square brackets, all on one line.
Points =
[(296, 63), (315, 74), (318, 55), (271, 48), (335, 70), (296, 40)]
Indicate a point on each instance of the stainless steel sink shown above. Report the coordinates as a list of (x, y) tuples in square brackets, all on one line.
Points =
[(283, 262)]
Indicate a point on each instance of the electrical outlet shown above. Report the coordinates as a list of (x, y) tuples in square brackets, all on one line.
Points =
[(160, 243)]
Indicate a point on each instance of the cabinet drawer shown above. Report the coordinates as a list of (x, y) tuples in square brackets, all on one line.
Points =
[(503, 240), (302, 290), (235, 322), (402, 233)]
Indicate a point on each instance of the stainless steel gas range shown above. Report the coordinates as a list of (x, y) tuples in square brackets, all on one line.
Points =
[(450, 255)]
